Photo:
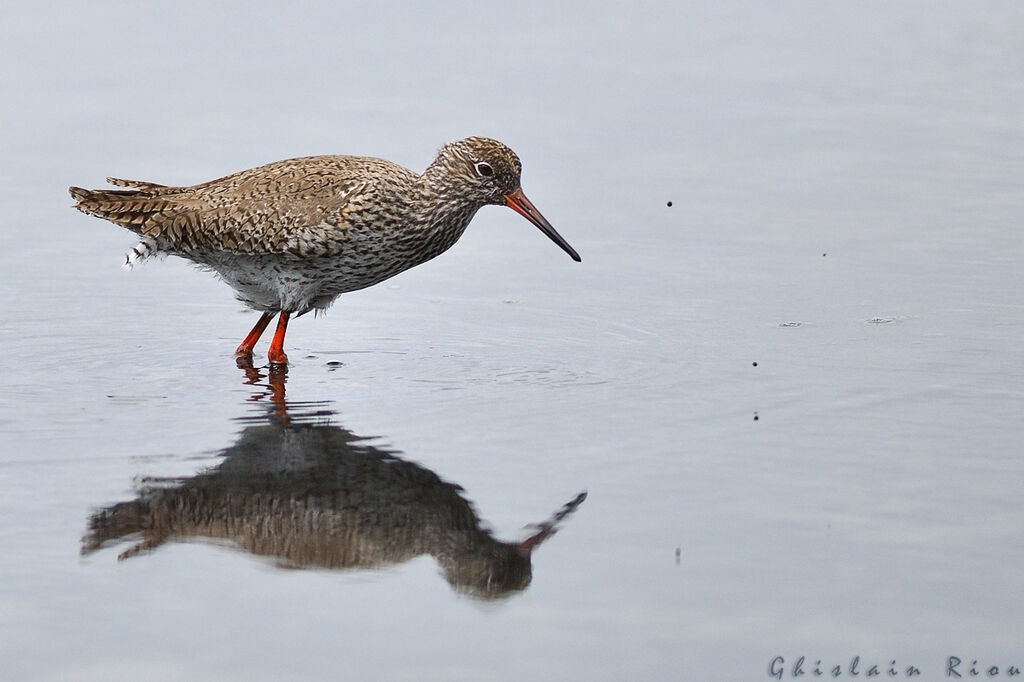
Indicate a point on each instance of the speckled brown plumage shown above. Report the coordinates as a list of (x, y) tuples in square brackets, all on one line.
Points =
[(292, 236)]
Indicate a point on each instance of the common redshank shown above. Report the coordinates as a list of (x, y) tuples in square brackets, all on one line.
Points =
[(291, 236)]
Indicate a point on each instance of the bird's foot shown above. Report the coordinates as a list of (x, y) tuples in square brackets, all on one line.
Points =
[(244, 361)]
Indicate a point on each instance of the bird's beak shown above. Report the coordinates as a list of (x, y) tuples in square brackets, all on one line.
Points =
[(518, 202)]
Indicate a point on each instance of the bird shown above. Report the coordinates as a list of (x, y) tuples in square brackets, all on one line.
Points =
[(291, 236)]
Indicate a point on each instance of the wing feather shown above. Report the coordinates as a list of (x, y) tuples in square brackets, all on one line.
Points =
[(298, 206)]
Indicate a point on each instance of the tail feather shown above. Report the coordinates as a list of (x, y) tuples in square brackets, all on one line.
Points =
[(131, 208), (164, 217), (137, 184), (78, 194)]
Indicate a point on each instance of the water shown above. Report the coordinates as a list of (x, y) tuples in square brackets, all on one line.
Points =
[(793, 397)]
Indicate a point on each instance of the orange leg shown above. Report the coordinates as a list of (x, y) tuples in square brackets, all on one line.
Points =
[(245, 348), (276, 354)]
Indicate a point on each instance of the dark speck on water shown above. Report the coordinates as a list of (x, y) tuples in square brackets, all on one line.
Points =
[(669, 204), (755, 363), (756, 417)]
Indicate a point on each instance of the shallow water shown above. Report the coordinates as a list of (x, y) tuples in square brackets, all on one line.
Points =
[(793, 397)]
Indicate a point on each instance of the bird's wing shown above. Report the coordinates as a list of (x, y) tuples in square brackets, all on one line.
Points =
[(299, 206)]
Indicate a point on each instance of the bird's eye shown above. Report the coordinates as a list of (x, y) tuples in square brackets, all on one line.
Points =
[(484, 169)]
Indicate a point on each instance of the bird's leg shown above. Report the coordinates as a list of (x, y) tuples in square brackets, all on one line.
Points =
[(245, 348), (276, 354)]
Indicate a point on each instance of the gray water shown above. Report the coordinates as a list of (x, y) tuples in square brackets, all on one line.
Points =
[(794, 397)]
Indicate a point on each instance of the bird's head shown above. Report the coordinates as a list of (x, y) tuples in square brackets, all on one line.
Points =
[(486, 171)]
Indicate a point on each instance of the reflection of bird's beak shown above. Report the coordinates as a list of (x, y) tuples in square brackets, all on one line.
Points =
[(518, 202), (548, 528)]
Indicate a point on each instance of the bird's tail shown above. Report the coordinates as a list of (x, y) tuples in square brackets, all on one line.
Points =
[(132, 208), (126, 207)]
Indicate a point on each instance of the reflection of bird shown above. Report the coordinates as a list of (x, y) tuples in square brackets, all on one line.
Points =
[(319, 496), (292, 236)]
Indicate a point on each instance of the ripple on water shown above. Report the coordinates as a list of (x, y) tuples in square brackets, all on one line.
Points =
[(607, 354), (463, 371)]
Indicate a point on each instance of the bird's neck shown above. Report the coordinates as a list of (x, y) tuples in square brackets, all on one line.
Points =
[(442, 210)]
